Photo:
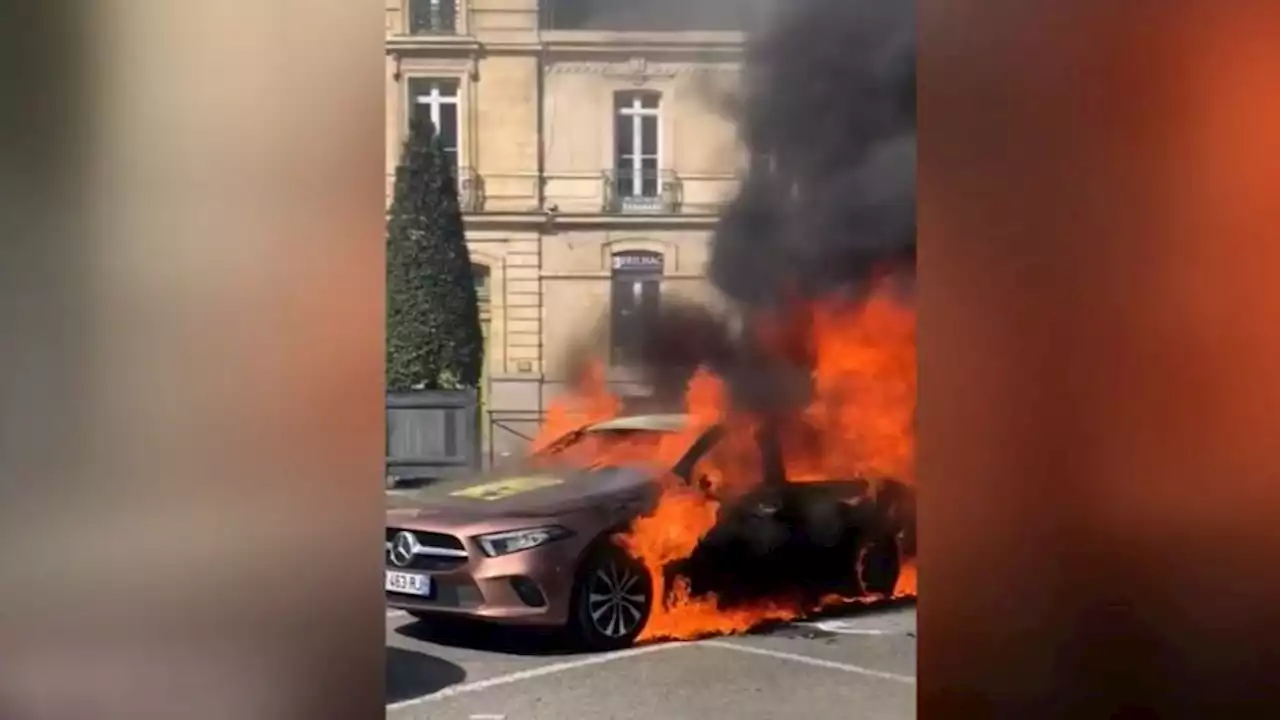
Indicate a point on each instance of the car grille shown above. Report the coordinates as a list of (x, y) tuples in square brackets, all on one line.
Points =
[(453, 552)]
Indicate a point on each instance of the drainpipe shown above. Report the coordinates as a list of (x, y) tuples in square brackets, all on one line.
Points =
[(541, 195), (541, 125)]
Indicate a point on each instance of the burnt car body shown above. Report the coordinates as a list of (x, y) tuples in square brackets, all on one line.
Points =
[(534, 548)]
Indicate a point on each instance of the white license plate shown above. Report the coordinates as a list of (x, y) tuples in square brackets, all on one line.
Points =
[(409, 583)]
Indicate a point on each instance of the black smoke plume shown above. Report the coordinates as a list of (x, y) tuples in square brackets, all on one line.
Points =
[(827, 208), (828, 117), (683, 337), (651, 15)]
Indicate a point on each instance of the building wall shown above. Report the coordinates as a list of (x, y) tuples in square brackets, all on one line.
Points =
[(535, 152)]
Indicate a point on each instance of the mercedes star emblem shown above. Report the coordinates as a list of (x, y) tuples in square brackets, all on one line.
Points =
[(403, 549)]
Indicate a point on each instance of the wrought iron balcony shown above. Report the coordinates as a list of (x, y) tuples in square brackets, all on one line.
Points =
[(470, 190), (432, 17), (641, 191)]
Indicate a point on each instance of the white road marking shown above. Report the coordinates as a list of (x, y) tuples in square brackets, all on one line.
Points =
[(464, 688), (842, 628), (830, 664), (488, 717), (899, 622), (396, 613)]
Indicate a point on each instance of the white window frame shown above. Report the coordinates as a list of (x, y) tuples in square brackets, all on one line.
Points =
[(438, 102), (635, 112)]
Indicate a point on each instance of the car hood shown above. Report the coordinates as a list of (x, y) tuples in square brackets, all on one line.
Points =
[(534, 493)]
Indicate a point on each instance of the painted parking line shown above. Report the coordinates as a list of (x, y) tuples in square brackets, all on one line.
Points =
[(841, 627), (588, 661), (554, 668), (805, 659), (855, 627), (892, 622)]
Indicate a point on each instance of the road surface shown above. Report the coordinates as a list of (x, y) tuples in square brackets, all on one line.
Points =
[(858, 665)]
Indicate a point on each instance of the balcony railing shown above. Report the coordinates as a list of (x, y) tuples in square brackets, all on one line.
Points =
[(641, 191), (470, 190), (431, 17)]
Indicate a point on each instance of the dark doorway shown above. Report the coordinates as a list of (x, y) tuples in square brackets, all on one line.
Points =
[(634, 302)]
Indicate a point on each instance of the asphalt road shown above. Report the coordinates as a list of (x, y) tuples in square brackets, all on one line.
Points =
[(856, 665)]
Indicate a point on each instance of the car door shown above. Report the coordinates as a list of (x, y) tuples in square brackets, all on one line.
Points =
[(722, 460)]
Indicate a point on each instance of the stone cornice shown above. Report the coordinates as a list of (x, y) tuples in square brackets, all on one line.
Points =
[(449, 43), (549, 223), (638, 69), (724, 46)]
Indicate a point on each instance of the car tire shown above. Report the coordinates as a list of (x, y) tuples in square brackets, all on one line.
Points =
[(880, 567), (612, 598)]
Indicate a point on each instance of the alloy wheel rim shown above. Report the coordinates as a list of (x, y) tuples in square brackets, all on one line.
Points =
[(615, 600)]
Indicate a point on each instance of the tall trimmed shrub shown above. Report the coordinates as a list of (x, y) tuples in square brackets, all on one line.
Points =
[(434, 340)]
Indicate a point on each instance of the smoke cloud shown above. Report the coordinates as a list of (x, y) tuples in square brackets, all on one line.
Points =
[(827, 113), (653, 15), (828, 117), (828, 207)]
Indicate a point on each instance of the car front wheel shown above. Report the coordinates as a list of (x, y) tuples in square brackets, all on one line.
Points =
[(612, 599)]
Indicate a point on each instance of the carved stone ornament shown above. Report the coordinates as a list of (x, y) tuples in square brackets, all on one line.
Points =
[(637, 70)]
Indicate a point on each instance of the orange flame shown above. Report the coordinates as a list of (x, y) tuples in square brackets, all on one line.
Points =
[(860, 423), (589, 402)]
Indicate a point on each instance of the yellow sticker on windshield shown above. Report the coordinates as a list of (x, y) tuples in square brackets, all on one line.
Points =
[(506, 488)]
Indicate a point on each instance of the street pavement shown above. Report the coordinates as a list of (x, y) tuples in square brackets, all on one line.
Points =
[(860, 664)]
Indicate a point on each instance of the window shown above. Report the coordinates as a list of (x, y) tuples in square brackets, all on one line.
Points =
[(480, 275), (437, 100), (636, 150), (432, 16), (634, 302)]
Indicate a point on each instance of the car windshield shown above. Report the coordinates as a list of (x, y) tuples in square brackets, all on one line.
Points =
[(643, 441)]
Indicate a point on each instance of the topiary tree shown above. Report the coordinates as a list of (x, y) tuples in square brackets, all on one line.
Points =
[(434, 340)]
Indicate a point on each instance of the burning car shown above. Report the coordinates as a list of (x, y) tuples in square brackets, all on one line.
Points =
[(540, 547)]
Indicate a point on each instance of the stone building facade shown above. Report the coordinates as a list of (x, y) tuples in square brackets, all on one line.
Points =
[(591, 165)]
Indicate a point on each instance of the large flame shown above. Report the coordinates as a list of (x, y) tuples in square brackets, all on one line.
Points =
[(860, 422)]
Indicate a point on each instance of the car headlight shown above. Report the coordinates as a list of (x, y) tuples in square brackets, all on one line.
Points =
[(505, 543)]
